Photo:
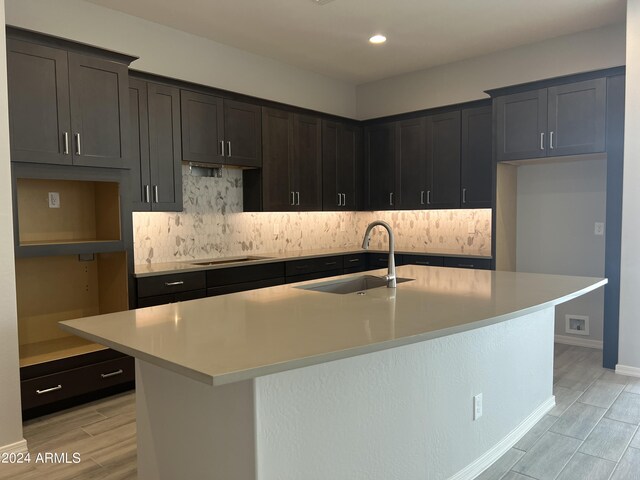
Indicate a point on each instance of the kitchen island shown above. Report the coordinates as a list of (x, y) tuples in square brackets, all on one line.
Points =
[(289, 382)]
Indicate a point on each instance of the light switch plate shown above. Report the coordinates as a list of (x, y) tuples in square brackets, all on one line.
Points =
[(599, 228), (54, 200)]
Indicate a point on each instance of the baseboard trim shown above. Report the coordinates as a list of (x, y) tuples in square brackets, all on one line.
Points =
[(18, 447), (483, 462), (629, 371), (578, 342)]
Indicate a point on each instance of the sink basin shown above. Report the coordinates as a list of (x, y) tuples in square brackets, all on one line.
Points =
[(228, 260), (352, 285)]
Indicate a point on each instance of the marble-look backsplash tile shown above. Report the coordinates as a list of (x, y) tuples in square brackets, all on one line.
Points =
[(213, 225)]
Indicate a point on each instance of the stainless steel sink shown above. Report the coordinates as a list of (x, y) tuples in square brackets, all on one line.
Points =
[(228, 260), (352, 285)]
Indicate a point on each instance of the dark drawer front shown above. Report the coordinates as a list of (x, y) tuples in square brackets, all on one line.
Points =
[(313, 265), (381, 260), (461, 262), (244, 274), (354, 260), (171, 298), (361, 268), (70, 383), (428, 260), (243, 287), (174, 283), (314, 276)]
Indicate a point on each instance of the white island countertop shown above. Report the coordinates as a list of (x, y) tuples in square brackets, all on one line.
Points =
[(230, 338)]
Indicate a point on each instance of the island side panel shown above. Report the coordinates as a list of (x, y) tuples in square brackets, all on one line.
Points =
[(191, 430), (407, 412)]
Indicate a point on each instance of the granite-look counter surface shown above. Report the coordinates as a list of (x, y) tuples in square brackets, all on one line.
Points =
[(235, 337), (152, 269)]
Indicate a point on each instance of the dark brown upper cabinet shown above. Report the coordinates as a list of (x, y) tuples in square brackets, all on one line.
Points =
[(443, 160), (66, 108), (380, 170), (291, 174), (476, 165), (341, 166), (220, 131), (411, 164), (156, 177), (567, 119)]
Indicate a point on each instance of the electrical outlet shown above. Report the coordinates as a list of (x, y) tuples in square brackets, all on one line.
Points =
[(577, 324), (598, 228), (471, 228), (54, 200), (477, 406)]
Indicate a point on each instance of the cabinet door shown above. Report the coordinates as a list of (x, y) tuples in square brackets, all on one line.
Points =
[(164, 148), (380, 166), (277, 142), (39, 117), (202, 128), (307, 172), (411, 162), (577, 118), (243, 134), (99, 99), (521, 125), (443, 160), (341, 166), (139, 131), (476, 166)]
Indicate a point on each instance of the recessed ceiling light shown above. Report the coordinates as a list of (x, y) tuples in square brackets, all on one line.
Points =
[(378, 39)]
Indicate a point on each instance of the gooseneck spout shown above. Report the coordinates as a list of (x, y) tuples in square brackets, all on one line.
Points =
[(391, 274)]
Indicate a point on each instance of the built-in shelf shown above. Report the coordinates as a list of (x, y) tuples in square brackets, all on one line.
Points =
[(55, 288)]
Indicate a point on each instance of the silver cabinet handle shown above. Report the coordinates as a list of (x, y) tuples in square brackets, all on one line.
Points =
[(222, 147), (354, 260), (298, 198), (391, 198), (344, 199), (65, 137), (155, 194), (339, 199), (551, 140), (464, 195), (293, 198), (112, 374), (422, 197), (49, 390), (228, 148), (541, 140), (147, 194), (428, 197), (466, 265), (78, 147), (173, 284), (328, 264)]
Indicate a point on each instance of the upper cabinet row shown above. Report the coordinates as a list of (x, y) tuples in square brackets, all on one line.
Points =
[(436, 161), (66, 108), (561, 120)]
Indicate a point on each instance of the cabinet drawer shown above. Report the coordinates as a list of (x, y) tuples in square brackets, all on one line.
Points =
[(313, 265), (244, 274), (171, 298), (381, 260), (174, 283), (430, 260), (354, 260), (243, 287), (70, 383), (461, 262), (313, 276)]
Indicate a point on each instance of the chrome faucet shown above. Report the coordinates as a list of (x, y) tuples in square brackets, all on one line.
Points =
[(391, 274)]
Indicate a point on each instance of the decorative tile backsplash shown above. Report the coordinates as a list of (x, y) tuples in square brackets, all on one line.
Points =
[(213, 225)]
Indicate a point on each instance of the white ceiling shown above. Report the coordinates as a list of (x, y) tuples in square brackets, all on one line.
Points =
[(332, 39)]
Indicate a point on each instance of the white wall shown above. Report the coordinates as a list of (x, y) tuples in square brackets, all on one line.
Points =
[(557, 206), (10, 416), (629, 338), (468, 79), (166, 51)]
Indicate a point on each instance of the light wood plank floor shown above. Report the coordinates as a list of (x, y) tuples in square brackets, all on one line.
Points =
[(592, 433)]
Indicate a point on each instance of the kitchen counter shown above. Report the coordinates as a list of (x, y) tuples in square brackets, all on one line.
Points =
[(230, 338), (151, 269)]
